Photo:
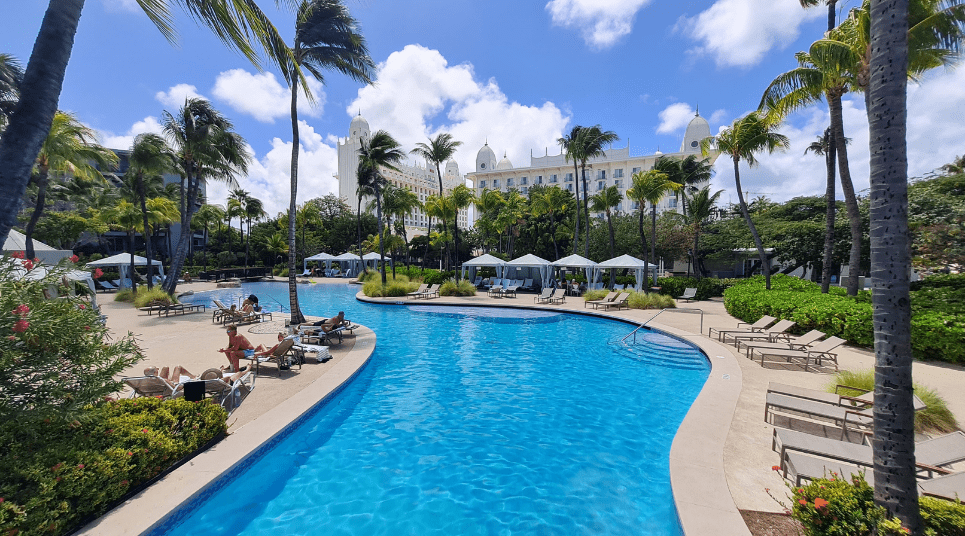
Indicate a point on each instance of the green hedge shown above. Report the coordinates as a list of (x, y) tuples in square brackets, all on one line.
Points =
[(56, 473), (935, 335), (708, 287)]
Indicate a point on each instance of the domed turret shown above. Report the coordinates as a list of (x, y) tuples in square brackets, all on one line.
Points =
[(359, 128), (697, 130), (485, 159), (452, 168), (504, 164)]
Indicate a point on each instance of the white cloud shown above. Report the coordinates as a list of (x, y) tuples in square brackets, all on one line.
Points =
[(674, 117), (125, 5), (933, 138), (125, 141), (175, 96), (415, 85), (263, 97), (601, 22), (741, 32)]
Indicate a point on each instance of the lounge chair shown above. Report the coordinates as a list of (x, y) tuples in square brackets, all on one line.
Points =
[(477, 282), (282, 357), (511, 289), (220, 311), (864, 400), (951, 487), (528, 285), (595, 303), (772, 333), (806, 467), (496, 291), (106, 285), (758, 326), (797, 343), (620, 301), (152, 386), (422, 288), (544, 296), (559, 296), (227, 395), (819, 352), (431, 292), (842, 415), (690, 294)]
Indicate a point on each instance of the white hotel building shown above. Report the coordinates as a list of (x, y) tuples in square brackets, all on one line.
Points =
[(418, 178), (613, 169)]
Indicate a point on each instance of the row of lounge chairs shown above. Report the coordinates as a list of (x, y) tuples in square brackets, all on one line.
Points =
[(551, 296), (425, 291), (806, 457), (769, 337), (174, 308), (210, 384), (612, 299)]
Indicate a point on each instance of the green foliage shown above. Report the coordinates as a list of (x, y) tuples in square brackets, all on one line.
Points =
[(152, 296), (954, 281), (395, 287), (941, 517), (592, 295), (124, 295), (707, 287), (451, 288), (57, 471), (935, 418), (56, 355), (641, 300)]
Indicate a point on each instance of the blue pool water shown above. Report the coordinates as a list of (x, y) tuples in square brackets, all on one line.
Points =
[(471, 421)]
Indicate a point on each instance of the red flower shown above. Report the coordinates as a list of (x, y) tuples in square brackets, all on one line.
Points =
[(54, 468), (144, 430), (775, 467), (130, 453), (800, 490), (17, 255), (82, 306), (74, 258), (29, 265), (86, 328), (820, 503), (21, 310), (20, 326), (12, 337), (80, 466), (804, 502), (1, 499), (123, 482), (98, 273)]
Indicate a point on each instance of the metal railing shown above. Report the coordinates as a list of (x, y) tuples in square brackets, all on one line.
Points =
[(681, 309)]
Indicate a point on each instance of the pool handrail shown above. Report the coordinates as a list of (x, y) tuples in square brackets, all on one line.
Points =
[(687, 309)]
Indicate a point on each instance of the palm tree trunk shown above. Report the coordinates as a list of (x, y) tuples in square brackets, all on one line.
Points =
[(829, 156), (556, 247), (147, 239), (425, 256), (378, 208), (296, 313), (750, 225), (653, 242), (177, 261), (694, 254), (643, 237), (847, 187), (445, 224), (894, 435), (609, 223), (39, 95), (38, 209), (586, 215), (576, 228), (130, 241)]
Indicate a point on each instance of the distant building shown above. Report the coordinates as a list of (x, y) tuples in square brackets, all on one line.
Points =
[(420, 179), (613, 169)]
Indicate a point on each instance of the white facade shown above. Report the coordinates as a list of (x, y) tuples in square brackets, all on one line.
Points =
[(420, 179), (615, 168)]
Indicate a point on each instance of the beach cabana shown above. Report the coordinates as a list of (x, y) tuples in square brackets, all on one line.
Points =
[(483, 261), (638, 266), (349, 262), (374, 258), (320, 257), (577, 262), (533, 263), (122, 261), (16, 241)]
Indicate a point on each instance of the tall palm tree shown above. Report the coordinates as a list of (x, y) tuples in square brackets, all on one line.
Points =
[(235, 22), (462, 197), (590, 142), (568, 144), (234, 209), (11, 76), (701, 205), (439, 149), (207, 148), (254, 210), (750, 134), (381, 151), (605, 201), (150, 159), (68, 148), (205, 217), (551, 202), (125, 216), (690, 171), (326, 38), (894, 436), (307, 215), (488, 204), (650, 187), (824, 146), (399, 203), (238, 205)]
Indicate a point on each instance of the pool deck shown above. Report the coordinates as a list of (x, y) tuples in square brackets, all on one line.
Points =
[(720, 459)]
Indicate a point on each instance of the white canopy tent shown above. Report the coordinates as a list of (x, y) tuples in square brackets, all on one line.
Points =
[(41, 271), (123, 263), (319, 257), (577, 261), (543, 266), (374, 258), (16, 241), (353, 261), (623, 261), (483, 261)]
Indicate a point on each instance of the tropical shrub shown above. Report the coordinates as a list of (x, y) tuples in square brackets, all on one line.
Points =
[(708, 287), (435, 277), (395, 287), (452, 288), (593, 295), (934, 418), (124, 295), (153, 296), (641, 300), (58, 471)]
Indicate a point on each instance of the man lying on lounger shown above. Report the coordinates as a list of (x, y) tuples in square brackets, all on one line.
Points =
[(332, 323)]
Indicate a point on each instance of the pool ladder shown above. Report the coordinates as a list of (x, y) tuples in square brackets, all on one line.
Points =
[(680, 309)]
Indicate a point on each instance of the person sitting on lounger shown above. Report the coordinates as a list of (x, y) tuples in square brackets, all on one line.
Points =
[(281, 337), (238, 347), (332, 323)]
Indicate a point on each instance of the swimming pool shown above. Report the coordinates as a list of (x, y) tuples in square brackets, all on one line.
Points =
[(472, 421)]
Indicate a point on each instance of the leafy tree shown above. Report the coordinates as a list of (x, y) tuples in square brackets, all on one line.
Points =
[(62, 229), (569, 145), (605, 201), (330, 207), (326, 37), (649, 187), (748, 135), (207, 216), (381, 151), (399, 203), (307, 216), (462, 197), (11, 76), (589, 144), (69, 148), (127, 217), (701, 209), (511, 216), (489, 205), (150, 159), (439, 149), (552, 202)]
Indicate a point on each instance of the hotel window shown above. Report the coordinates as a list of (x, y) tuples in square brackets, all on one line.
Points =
[(618, 183), (525, 190), (568, 177), (617, 173), (524, 180), (482, 184), (509, 182), (569, 187), (635, 170), (495, 183), (635, 205), (672, 202), (539, 179), (600, 185), (553, 178), (601, 175)]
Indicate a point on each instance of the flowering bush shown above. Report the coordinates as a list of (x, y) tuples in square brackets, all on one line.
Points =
[(55, 356), (55, 472)]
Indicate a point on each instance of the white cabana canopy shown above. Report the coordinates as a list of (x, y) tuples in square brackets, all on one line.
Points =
[(321, 257), (123, 262), (374, 258), (623, 261), (16, 241), (41, 271), (483, 261), (354, 262), (529, 260), (577, 261)]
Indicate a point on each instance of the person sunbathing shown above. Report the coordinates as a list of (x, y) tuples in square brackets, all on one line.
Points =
[(332, 323), (281, 337)]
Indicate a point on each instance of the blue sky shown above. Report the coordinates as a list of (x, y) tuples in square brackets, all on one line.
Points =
[(517, 74)]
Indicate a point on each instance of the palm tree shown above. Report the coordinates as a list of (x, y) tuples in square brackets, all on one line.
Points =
[(650, 187), (568, 144), (399, 203), (68, 148), (150, 159), (690, 172), (234, 209), (11, 75), (439, 149), (605, 201), (307, 215), (550, 202), (125, 216), (381, 151), (701, 205), (276, 245), (748, 135), (238, 204), (589, 144), (462, 197), (894, 436), (205, 217), (207, 148), (254, 210), (326, 38), (489, 204), (511, 216), (824, 146), (235, 22)]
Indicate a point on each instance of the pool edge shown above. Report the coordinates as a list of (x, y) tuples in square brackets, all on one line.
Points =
[(701, 493)]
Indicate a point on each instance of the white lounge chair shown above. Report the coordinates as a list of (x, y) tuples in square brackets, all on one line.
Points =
[(819, 352), (422, 288), (758, 326), (797, 343), (772, 333), (689, 294), (596, 303), (544, 296), (620, 301)]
